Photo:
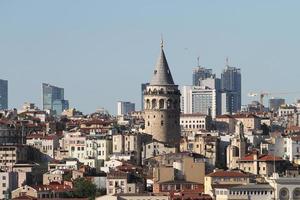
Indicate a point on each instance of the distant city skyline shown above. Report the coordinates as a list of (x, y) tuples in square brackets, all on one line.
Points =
[(104, 54)]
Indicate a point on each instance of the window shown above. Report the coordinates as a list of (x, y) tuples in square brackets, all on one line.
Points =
[(4, 178), (3, 184), (161, 122), (111, 183)]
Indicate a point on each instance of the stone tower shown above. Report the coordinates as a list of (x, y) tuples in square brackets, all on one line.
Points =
[(237, 148), (162, 104)]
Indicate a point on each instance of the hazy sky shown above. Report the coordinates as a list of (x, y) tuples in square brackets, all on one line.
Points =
[(101, 51)]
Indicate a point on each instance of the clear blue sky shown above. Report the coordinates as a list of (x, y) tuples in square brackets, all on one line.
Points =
[(101, 51)]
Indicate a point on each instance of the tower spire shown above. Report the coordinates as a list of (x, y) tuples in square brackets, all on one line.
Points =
[(161, 41), (227, 61), (162, 74)]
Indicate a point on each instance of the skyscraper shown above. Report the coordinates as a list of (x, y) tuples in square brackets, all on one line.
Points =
[(53, 99), (162, 104), (3, 94), (199, 99), (200, 73), (125, 107), (231, 82), (275, 103)]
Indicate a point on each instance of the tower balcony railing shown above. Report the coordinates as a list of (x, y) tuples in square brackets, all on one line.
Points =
[(175, 92)]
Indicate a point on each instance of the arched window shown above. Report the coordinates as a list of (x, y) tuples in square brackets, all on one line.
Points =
[(284, 194), (296, 194), (147, 104), (154, 103), (161, 104), (169, 103), (161, 91)]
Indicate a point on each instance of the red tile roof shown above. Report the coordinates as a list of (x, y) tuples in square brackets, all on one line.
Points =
[(224, 116), (242, 115), (262, 158), (227, 174), (41, 136)]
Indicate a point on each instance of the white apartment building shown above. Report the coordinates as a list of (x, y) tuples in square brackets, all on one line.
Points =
[(199, 99), (129, 144), (10, 155), (249, 191), (47, 144), (110, 164), (75, 144), (194, 122), (292, 148), (118, 182), (8, 183), (285, 188), (286, 147), (286, 110), (99, 147)]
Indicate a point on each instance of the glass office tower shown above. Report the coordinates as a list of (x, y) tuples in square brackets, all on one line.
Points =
[(53, 99), (3, 94)]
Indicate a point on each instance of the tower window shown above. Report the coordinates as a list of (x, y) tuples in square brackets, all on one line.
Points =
[(148, 123), (161, 122), (153, 103), (161, 104)]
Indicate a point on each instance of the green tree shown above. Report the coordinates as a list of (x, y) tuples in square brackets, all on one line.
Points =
[(84, 188)]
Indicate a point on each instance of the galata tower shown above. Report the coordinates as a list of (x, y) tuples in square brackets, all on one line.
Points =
[(162, 104)]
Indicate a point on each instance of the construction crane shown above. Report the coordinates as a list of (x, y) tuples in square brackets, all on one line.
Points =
[(264, 94)]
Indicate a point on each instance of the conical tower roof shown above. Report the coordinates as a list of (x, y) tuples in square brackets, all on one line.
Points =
[(162, 74)]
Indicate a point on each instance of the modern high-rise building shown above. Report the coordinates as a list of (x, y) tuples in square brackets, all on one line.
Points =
[(143, 88), (199, 99), (228, 100), (162, 104), (125, 107), (231, 82), (3, 94), (200, 73), (275, 103), (53, 99)]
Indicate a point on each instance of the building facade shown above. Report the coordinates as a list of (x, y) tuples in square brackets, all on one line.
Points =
[(200, 73), (199, 99), (3, 94), (125, 107), (231, 82), (53, 99), (143, 88)]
